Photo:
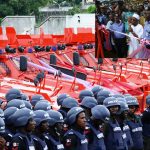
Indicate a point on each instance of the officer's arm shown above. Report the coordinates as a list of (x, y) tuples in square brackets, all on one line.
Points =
[(70, 142), (17, 144)]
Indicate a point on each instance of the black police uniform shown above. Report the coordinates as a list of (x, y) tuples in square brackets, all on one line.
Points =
[(146, 128), (40, 143), (53, 141), (63, 111), (114, 136), (135, 124), (8, 137), (75, 139), (95, 137), (22, 141)]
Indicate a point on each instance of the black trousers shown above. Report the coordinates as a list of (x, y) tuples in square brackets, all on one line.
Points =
[(146, 143), (121, 47)]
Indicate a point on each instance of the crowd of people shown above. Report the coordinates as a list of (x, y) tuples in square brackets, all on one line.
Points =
[(127, 24), (98, 120)]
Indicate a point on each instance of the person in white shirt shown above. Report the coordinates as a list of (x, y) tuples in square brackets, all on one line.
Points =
[(135, 31)]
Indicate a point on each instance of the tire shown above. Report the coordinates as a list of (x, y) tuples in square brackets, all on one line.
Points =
[(21, 49), (48, 48), (23, 63), (52, 59), (76, 58)]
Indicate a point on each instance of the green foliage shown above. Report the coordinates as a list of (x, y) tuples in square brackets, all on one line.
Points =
[(74, 10), (74, 2), (28, 7), (20, 7), (91, 9), (5, 10)]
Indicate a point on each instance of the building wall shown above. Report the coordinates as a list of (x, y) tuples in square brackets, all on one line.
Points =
[(22, 24), (52, 25), (89, 1), (81, 20)]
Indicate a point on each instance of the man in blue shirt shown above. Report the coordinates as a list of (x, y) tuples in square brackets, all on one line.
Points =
[(119, 39)]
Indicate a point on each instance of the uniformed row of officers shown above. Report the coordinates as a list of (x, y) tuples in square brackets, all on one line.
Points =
[(98, 121)]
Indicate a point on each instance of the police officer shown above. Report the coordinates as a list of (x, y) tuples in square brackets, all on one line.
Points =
[(87, 104), (134, 122), (101, 95), (10, 129), (75, 138), (146, 124), (16, 103), (146, 36), (25, 97), (96, 89), (100, 115), (67, 104), (2, 131), (114, 136), (27, 104), (85, 93), (122, 118), (41, 118), (25, 124), (13, 94), (35, 99), (43, 105), (53, 138), (61, 97)]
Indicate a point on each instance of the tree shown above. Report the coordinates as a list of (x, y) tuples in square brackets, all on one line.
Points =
[(20, 7), (74, 10), (91, 9), (5, 10)]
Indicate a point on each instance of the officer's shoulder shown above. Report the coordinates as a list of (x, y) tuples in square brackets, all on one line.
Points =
[(69, 140), (70, 134), (17, 141), (17, 138)]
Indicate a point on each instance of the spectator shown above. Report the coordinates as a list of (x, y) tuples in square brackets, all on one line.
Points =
[(145, 52), (126, 15), (119, 39), (135, 31)]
